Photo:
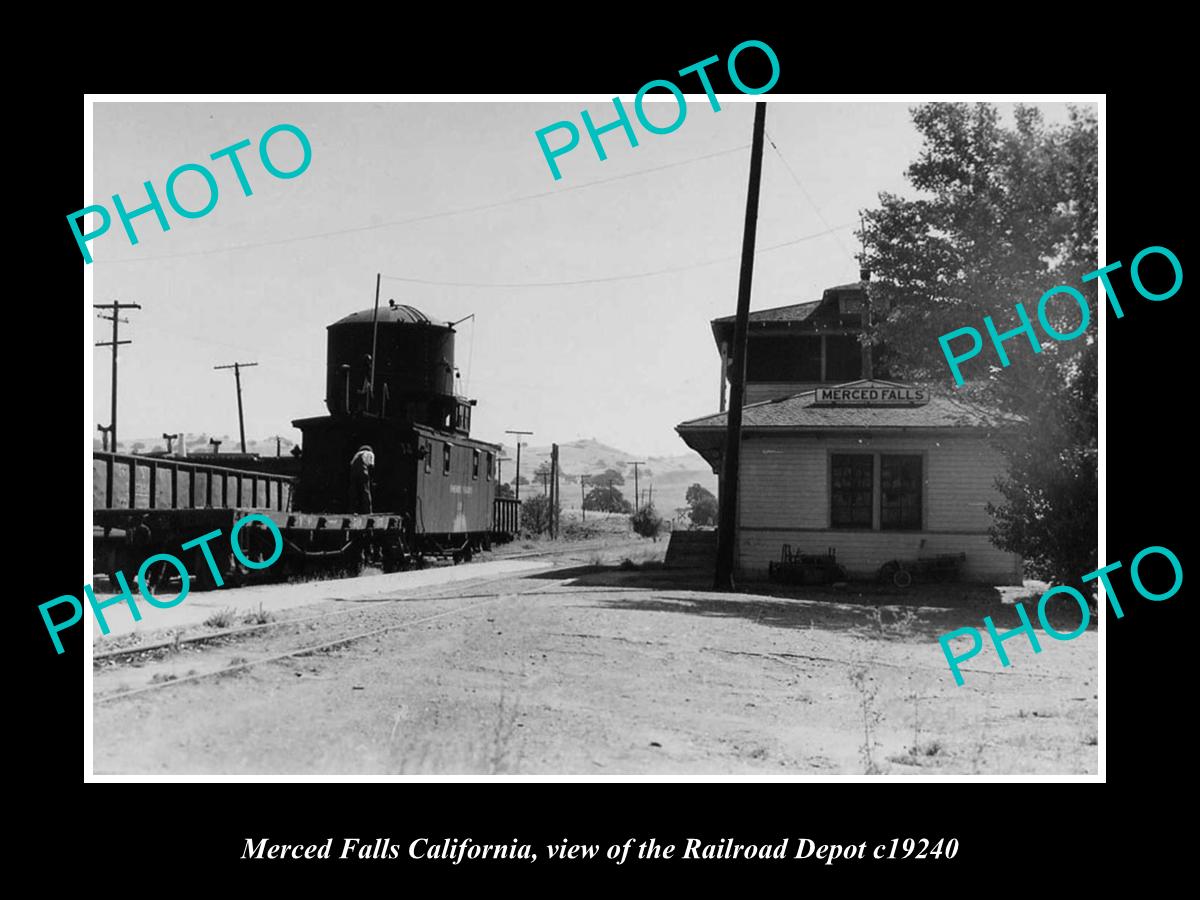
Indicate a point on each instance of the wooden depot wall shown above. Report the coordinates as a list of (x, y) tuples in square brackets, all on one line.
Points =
[(785, 499)]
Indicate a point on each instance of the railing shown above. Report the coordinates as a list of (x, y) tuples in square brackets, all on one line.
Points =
[(506, 515), (127, 481)]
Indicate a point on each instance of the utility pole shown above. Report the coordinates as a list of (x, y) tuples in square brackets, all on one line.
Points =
[(554, 491), (731, 458), (237, 376), (583, 480), (116, 319), (636, 497), (517, 483), (171, 439), (216, 445)]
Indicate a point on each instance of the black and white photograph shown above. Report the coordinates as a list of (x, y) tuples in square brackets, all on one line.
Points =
[(689, 436)]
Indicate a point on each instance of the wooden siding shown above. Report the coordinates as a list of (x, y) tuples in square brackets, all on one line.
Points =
[(784, 498), (457, 502)]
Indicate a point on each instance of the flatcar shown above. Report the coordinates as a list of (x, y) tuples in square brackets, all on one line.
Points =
[(391, 385)]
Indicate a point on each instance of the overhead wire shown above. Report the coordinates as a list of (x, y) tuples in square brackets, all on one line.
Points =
[(423, 218), (610, 278), (807, 195)]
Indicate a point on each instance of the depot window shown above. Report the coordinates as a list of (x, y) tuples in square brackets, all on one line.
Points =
[(490, 460), (428, 447), (445, 459), (876, 491), (474, 463), (900, 493), (852, 497)]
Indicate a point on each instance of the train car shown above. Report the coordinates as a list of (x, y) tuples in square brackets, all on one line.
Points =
[(390, 385)]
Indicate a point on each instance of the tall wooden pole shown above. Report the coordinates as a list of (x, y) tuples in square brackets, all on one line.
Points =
[(731, 458), (519, 434), (237, 377), (116, 319), (554, 491)]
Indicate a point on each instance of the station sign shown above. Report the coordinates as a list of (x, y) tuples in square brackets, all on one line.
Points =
[(872, 395)]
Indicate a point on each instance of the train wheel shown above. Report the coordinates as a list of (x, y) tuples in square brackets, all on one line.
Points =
[(467, 554), (393, 560), (204, 579), (354, 562)]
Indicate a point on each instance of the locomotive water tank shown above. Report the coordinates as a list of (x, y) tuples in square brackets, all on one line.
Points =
[(414, 365)]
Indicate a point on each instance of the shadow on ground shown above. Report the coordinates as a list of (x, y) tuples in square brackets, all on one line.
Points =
[(928, 610)]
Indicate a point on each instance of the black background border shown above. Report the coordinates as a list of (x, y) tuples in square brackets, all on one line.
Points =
[(1035, 825)]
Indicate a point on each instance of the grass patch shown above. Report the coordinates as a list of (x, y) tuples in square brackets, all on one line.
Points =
[(222, 618), (258, 617)]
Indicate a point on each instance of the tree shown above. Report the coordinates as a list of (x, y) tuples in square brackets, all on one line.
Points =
[(1006, 214), (702, 505), (1051, 491), (646, 522), (504, 490), (604, 498), (609, 475), (536, 514)]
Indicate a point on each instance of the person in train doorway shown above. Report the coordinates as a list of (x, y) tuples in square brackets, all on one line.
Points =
[(362, 470)]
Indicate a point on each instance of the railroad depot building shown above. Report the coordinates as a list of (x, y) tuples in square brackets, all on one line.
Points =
[(833, 458)]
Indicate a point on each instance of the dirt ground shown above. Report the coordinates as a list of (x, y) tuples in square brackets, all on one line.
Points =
[(591, 667)]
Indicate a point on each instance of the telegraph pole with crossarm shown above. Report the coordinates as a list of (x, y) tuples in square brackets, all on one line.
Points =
[(237, 376), (116, 319)]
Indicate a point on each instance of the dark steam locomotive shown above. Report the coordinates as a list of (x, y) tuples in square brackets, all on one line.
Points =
[(391, 384)]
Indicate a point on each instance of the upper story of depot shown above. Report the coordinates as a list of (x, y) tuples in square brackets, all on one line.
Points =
[(797, 348)]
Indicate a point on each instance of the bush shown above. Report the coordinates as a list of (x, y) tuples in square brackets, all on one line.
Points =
[(535, 514), (647, 522), (703, 505)]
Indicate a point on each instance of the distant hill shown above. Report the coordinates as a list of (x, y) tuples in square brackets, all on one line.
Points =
[(670, 476)]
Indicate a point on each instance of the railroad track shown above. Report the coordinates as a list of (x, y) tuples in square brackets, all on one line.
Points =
[(174, 644), (318, 647)]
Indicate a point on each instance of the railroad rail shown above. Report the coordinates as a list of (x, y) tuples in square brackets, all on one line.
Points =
[(324, 645), (175, 643)]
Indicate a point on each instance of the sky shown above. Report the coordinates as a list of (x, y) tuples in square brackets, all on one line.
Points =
[(592, 295)]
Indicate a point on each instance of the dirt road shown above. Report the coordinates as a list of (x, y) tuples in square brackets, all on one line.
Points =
[(598, 670)]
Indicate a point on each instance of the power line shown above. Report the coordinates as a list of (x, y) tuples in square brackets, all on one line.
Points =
[(582, 281), (807, 195), (424, 218)]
